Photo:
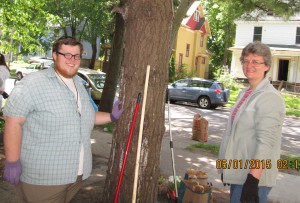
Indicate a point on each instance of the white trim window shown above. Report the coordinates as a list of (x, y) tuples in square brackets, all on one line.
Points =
[(201, 40), (187, 52), (257, 34), (180, 60), (298, 35)]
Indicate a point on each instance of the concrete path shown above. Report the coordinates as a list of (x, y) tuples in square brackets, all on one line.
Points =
[(286, 190)]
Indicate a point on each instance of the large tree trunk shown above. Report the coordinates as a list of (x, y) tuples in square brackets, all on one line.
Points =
[(112, 74), (148, 30)]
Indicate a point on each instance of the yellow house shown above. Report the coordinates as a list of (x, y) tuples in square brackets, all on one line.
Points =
[(190, 46)]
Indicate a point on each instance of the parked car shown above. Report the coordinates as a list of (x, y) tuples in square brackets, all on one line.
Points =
[(205, 93), (95, 82), (47, 62), (21, 72)]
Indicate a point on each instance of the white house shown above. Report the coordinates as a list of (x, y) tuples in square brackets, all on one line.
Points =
[(283, 38)]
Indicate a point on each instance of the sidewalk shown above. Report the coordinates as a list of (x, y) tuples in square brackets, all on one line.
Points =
[(286, 190)]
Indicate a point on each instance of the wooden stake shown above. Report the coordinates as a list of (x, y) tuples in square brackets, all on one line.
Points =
[(137, 163)]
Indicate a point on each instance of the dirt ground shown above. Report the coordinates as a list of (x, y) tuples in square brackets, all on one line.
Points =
[(92, 190)]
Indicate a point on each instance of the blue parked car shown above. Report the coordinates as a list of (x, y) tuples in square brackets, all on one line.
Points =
[(206, 93)]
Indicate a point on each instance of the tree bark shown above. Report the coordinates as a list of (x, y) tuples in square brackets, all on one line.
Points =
[(148, 30), (112, 74)]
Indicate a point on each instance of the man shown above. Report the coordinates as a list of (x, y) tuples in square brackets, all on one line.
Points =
[(49, 120)]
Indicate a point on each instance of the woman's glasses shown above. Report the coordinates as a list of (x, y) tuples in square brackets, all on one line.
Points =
[(255, 63)]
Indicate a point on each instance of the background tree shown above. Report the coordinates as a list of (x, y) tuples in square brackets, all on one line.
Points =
[(23, 23), (83, 19), (114, 65), (70, 15), (172, 70), (98, 24), (222, 14), (180, 9)]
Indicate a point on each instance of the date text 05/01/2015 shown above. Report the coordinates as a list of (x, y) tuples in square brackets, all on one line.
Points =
[(256, 164), (243, 164)]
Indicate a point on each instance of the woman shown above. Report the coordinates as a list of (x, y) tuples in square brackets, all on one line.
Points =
[(251, 145), (4, 74)]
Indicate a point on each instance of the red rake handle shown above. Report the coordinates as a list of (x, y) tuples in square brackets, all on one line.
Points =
[(127, 147)]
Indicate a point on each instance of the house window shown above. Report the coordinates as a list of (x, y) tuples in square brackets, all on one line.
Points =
[(201, 40), (257, 34), (187, 52), (298, 35), (196, 64), (196, 16), (180, 60), (203, 60)]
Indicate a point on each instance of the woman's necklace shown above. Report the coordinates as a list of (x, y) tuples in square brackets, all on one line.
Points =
[(77, 96)]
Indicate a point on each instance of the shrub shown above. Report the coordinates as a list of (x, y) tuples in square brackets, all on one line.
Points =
[(229, 81), (181, 72), (172, 69), (192, 74)]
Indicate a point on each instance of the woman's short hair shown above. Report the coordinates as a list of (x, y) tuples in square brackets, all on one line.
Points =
[(259, 49)]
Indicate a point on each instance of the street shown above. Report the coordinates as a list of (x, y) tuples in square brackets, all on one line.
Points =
[(181, 127), (182, 117)]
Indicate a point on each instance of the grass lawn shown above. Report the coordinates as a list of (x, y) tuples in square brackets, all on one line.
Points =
[(292, 102)]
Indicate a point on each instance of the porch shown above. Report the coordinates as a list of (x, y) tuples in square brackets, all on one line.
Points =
[(287, 86)]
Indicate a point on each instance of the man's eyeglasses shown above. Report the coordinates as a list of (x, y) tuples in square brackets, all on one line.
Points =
[(70, 56), (255, 63)]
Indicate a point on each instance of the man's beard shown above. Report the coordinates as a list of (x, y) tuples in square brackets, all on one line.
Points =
[(65, 73)]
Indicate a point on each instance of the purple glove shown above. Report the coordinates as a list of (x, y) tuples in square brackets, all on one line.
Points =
[(12, 172), (116, 112)]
